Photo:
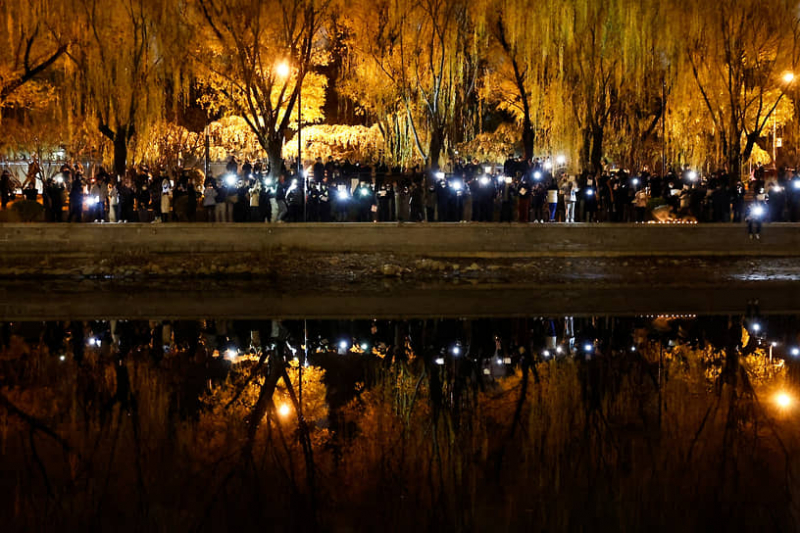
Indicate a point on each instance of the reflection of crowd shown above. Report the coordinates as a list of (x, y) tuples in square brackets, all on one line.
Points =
[(341, 191)]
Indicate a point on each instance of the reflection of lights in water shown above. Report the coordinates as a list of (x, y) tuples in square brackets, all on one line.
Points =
[(439, 361), (783, 400), (284, 410)]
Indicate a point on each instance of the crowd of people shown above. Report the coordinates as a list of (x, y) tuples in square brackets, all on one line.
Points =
[(517, 191)]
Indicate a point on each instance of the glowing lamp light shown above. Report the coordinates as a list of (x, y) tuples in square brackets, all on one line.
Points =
[(457, 185), (342, 195), (546, 353), (636, 181), (487, 169), (633, 348), (364, 346), (559, 349), (440, 175), (268, 182), (537, 175), (230, 354), (343, 345), (230, 179), (756, 327), (788, 77), (283, 69), (484, 181), (796, 184), (284, 410), (456, 350), (692, 176), (589, 192), (783, 400), (587, 347), (508, 180), (439, 361), (758, 211), (364, 192), (548, 165), (561, 160), (62, 357)]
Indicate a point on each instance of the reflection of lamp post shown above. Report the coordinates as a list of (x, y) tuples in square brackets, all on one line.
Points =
[(283, 70)]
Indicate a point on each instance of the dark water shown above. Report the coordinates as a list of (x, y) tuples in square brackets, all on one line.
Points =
[(579, 422)]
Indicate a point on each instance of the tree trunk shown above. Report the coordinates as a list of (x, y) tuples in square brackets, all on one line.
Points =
[(121, 152), (586, 148), (734, 156), (275, 159), (435, 147), (527, 137), (597, 149)]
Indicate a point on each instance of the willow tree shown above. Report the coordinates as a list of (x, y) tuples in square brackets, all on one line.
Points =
[(124, 66), (599, 51), (741, 55), (257, 56), (518, 62), (34, 37), (423, 54)]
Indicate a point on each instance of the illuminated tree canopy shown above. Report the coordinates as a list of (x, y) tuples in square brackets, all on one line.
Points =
[(629, 83)]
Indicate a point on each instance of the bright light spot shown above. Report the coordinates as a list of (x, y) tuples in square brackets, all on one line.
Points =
[(62, 358), (484, 181), (546, 353), (548, 165), (283, 69), (783, 400), (457, 185), (365, 192), (230, 179), (756, 327), (636, 181), (561, 159), (559, 350), (795, 352), (633, 348), (587, 347), (284, 410), (439, 361), (343, 195), (268, 182), (796, 184), (590, 192), (488, 170), (537, 175), (456, 350), (773, 344), (440, 175), (788, 77), (230, 354), (499, 361), (758, 211), (343, 345), (692, 176), (364, 346)]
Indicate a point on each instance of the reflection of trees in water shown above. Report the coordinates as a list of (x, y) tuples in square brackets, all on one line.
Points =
[(678, 432)]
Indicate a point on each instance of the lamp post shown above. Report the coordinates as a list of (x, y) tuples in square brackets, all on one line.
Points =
[(284, 70)]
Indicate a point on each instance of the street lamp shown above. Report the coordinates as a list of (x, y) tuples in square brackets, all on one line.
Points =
[(788, 77), (283, 70)]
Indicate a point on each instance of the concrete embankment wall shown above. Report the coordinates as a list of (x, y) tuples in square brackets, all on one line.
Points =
[(423, 240)]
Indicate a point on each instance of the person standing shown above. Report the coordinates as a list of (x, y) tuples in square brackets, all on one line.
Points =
[(552, 199), (113, 202), (756, 214), (210, 200), (570, 199), (76, 199), (254, 195)]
